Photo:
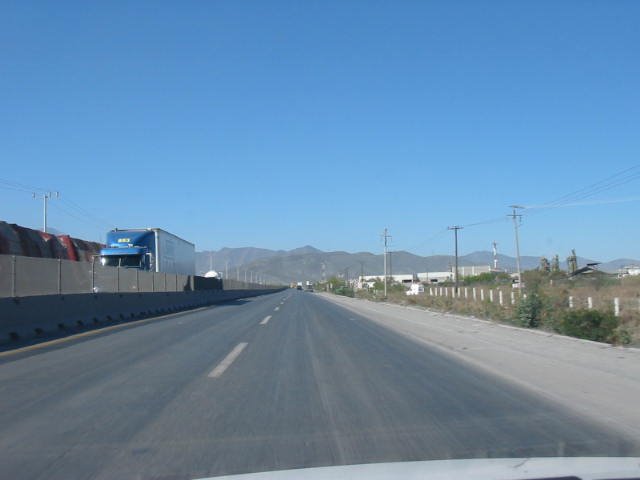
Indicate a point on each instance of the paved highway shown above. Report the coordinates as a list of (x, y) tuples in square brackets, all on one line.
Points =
[(281, 381)]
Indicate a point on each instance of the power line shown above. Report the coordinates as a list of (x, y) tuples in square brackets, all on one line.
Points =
[(485, 222), (608, 183), (23, 187), (434, 236), (67, 212), (616, 180), (611, 181), (88, 214), (77, 212), (15, 189), (73, 215)]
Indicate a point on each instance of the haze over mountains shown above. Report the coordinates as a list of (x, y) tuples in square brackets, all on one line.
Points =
[(308, 263)]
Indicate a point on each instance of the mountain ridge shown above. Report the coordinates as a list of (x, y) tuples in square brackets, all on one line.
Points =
[(310, 263)]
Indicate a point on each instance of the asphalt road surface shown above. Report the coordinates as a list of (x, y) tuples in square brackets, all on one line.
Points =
[(286, 380)]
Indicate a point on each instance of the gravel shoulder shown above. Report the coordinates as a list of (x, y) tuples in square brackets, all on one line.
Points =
[(593, 379)]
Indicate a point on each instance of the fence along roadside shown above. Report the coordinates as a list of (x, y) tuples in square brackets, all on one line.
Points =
[(28, 276), (474, 294)]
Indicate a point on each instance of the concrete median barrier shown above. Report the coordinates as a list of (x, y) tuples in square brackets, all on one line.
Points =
[(24, 318)]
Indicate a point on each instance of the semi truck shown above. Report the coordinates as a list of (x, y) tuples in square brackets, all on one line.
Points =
[(150, 249)]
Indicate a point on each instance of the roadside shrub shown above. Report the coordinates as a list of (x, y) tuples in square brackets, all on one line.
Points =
[(591, 325), (529, 311), (621, 336), (488, 278), (347, 292)]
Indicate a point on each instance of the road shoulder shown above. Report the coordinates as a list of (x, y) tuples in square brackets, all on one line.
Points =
[(597, 380)]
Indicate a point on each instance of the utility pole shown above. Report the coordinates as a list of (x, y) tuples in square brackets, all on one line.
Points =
[(45, 198), (386, 237), (455, 229), (226, 269), (516, 217)]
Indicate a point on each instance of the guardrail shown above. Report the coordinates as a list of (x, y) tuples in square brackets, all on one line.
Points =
[(29, 276), (40, 316)]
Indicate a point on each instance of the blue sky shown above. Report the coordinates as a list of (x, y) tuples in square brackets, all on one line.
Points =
[(280, 124)]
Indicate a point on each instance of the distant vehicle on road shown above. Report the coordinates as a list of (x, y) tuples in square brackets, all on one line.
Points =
[(150, 249)]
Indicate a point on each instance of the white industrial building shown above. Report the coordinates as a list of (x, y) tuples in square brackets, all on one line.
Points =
[(396, 278), (449, 276), (435, 277), (473, 270), (366, 281), (629, 270)]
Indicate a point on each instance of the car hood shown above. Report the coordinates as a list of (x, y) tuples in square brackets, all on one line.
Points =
[(587, 468)]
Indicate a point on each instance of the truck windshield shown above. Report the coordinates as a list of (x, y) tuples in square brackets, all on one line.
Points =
[(130, 261), (121, 261)]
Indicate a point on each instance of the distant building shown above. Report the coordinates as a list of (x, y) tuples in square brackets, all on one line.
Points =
[(367, 281), (629, 271), (449, 276), (435, 277), (473, 270), (405, 278)]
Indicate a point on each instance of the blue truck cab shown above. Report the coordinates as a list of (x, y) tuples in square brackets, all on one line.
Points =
[(129, 249)]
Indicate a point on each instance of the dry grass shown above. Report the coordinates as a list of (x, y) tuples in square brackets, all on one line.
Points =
[(555, 295)]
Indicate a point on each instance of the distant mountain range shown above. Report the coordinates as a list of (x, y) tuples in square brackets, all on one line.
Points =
[(309, 263)]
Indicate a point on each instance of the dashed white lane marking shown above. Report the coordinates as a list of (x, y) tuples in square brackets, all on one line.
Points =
[(227, 361), (276, 309), (266, 319)]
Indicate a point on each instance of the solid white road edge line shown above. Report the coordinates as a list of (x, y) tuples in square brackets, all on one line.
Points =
[(227, 361)]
